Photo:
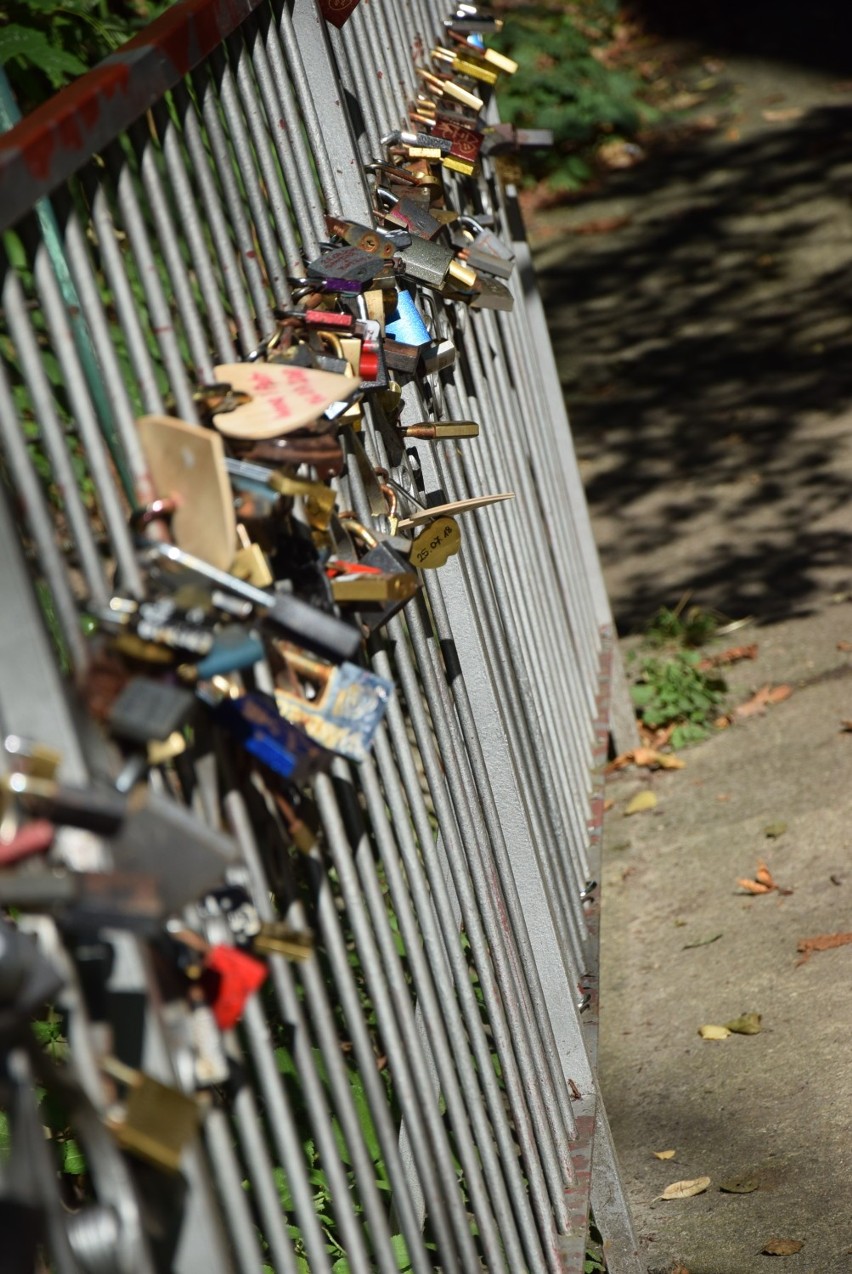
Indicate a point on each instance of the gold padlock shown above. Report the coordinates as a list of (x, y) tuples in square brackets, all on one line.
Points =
[(156, 1121), (276, 937), (250, 562)]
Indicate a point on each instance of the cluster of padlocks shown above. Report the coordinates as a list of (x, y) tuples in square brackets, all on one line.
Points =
[(173, 1096)]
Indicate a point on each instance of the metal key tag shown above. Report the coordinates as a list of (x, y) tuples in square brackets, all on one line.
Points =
[(187, 463), (454, 506), (283, 398), (435, 543), (346, 709)]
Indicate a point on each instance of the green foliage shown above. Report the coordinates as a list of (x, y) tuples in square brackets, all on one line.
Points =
[(44, 44), (681, 627), (672, 689), (567, 82)]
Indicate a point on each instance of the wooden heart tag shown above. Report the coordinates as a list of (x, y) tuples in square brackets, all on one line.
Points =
[(283, 398)]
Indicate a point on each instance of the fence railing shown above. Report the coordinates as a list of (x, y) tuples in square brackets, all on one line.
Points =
[(309, 1009)]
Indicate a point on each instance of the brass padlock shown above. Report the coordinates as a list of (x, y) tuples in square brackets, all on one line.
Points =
[(154, 1122), (250, 562), (276, 937)]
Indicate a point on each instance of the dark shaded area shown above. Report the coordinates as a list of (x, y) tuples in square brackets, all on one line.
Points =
[(706, 353), (815, 34)]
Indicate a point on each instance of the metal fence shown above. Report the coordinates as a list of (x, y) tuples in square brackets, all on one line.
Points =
[(413, 1086)]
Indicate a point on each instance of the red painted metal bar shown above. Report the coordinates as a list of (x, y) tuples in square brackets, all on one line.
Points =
[(49, 145)]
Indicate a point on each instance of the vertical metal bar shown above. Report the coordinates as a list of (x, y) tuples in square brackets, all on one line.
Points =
[(53, 435)]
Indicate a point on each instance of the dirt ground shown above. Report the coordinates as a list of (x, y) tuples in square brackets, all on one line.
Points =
[(701, 308)]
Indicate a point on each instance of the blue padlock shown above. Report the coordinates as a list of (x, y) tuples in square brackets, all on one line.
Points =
[(406, 323), (254, 720)]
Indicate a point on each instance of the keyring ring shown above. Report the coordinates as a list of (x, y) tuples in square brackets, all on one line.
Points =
[(154, 511)]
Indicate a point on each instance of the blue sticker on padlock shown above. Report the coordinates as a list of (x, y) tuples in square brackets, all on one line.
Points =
[(254, 720), (406, 323)]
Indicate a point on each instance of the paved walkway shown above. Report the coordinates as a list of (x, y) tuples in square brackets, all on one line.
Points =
[(706, 349)]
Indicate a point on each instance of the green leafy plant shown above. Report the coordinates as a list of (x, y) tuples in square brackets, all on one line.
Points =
[(672, 689), (683, 626), (44, 44), (570, 80)]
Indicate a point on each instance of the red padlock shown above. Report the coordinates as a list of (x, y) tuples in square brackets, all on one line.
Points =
[(235, 978)]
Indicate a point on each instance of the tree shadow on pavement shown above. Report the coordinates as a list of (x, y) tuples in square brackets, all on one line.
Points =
[(706, 355)]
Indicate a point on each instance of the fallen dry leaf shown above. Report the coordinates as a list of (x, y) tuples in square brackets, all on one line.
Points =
[(656, 738), (647, 757), (664, 1154), (732, 655), (685, 1189), (774, 830), (645, 800), (679, 1269), (714, 1032), (822, 942), (739, 1185), (782, 1247), (783, 115), (650, 758), (844, 645), (763, 875), (763, 883), (754, 887), (745, 1024), (762, 699)]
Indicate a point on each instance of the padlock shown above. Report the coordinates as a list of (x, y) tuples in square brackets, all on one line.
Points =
[(359, 236), (406, 325), (347, 706), (430, 431), (276, 937), (437, 356), (462, 64), (230, 978), (257, 725), (347, 269), (389, 555), (466, 141), (490, 294), (409, 213), (488, 251), (414, 141), (474, 47), (148, 711), (234, 649), (445, 86), (400, 356), (431, 263), (296, 619), (469, 20), (250, 561), (154, 1122)]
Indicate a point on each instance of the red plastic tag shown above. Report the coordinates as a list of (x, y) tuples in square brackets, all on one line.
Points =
[(337, 11), (238, 977)]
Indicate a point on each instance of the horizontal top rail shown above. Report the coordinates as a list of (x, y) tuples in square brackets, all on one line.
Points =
[(52, 143)]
